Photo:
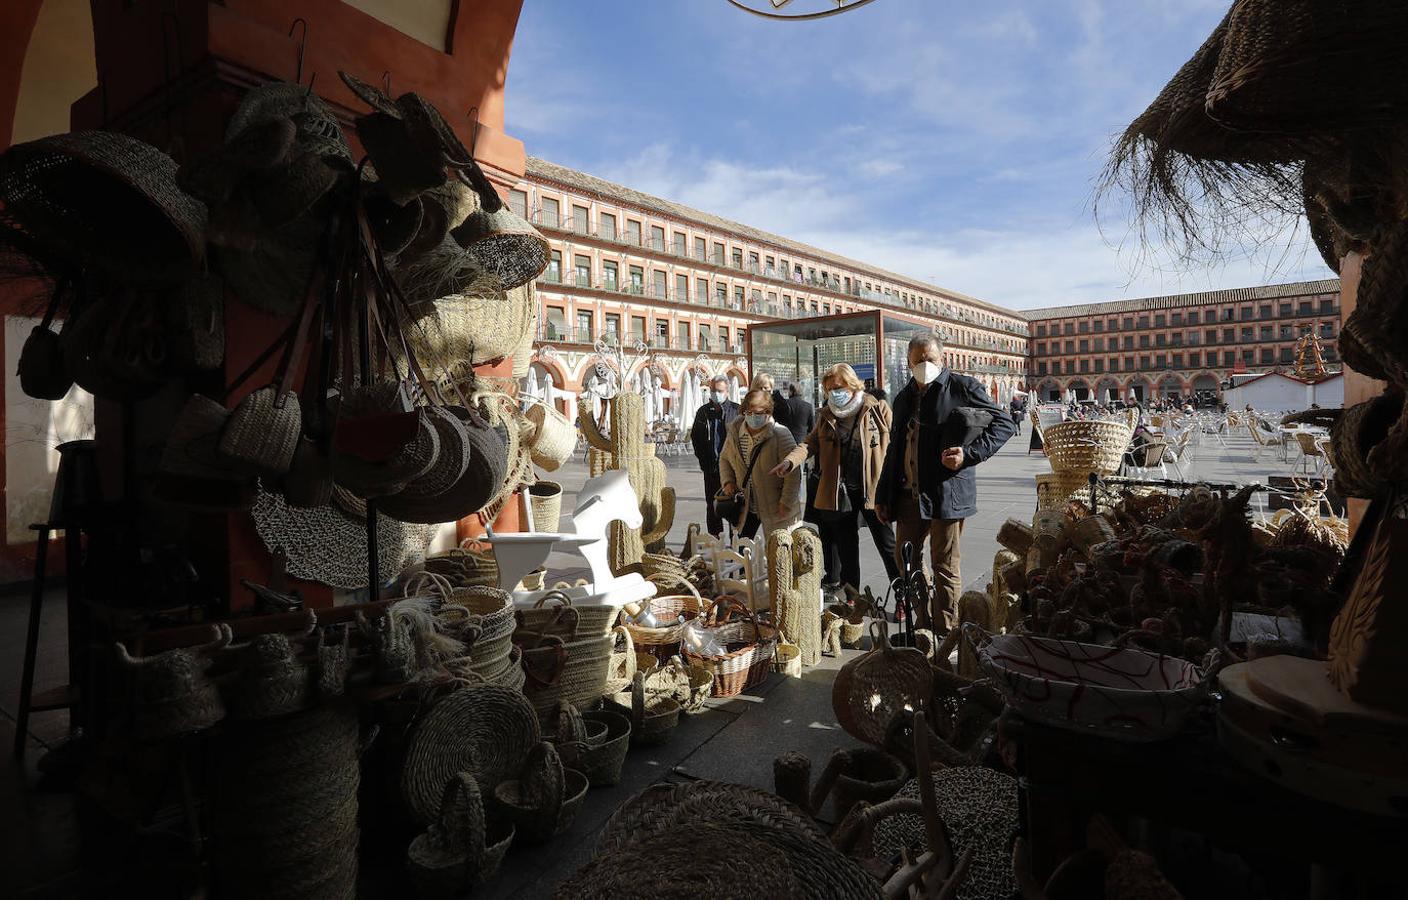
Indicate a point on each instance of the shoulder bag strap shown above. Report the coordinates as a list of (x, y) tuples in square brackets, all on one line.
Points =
[(752, 460)]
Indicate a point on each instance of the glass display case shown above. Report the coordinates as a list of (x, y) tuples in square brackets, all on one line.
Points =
[(875, 344)]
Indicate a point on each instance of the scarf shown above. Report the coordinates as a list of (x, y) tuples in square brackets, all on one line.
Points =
[(849, 409)]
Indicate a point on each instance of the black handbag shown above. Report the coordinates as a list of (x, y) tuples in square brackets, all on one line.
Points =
[(729, 507)]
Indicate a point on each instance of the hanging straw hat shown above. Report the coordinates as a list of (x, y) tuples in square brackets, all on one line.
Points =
[(505, 244), (105, 199), (445, 270), (467, 329), (429, 498), (328, 544), (316, 127), (1307, 66)]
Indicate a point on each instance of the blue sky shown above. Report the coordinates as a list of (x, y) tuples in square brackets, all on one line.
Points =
[(953, 141)]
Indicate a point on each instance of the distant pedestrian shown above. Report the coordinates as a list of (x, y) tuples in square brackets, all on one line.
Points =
[(707, 435), (753, 447)]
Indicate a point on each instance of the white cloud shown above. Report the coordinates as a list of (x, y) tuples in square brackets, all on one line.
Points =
[(1014, 25), (1021, 264), (880, 168)]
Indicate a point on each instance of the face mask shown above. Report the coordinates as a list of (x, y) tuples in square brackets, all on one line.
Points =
[(926, 372), (839, 397), (756, 420), (719, 396)]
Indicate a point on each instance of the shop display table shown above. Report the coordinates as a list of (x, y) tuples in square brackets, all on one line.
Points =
[(1190, 783)]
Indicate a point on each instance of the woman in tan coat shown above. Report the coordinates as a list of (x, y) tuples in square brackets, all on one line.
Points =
[(771, 500), (848, 445)]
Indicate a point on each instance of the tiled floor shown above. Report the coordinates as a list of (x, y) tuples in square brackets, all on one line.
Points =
[(734, 740)]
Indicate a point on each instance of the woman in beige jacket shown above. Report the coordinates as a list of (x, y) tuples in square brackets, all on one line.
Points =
[(848, 446), (770, 500)]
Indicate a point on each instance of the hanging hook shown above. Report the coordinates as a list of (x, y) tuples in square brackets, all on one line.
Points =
[(473, 116), (302, 46), (386, 82)]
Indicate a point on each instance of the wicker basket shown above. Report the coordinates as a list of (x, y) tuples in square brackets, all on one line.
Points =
[(535, 824), (664, 640), (750, 663), (567, 671), (1055, 489), (653, 717), (1085, 447), (593, 619), (493, 612), (601, 762), (545, 499), (466, 566), (555, 436)]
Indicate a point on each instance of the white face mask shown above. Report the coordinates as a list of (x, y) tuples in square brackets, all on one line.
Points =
[(926, 372)]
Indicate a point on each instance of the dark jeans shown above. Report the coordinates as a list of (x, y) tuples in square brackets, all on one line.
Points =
[(840, 542), (712, 487)]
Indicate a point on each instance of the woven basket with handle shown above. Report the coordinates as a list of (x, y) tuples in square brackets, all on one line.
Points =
[(1083, 447), (870, 690), (752, 645), (555, 436)]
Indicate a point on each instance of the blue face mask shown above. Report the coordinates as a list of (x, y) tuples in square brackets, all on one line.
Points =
[(719, 396), (839, 397), (756, 420)]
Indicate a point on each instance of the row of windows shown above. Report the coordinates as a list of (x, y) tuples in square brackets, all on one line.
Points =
[(657, 284), (1283, 309), (622, 229), (1247, 334), (1266, 356), (656, 332)]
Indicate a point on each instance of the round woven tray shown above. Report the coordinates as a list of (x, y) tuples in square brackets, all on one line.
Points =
[(704, 862), (484, 729), (1085, 447), (681, 807), (978, 807)]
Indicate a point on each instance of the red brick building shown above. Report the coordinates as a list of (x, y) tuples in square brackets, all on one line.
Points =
[(1177, 345)]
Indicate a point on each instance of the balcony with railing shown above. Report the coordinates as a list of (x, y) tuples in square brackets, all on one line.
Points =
[(832, 284)]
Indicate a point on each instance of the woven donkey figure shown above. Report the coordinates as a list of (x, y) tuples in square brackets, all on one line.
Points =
[(626, 449), (794, 585)]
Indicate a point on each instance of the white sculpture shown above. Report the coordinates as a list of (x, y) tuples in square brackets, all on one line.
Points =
[(603, 499)]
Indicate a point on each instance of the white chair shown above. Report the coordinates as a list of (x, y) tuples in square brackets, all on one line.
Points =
[(1264, 437), (736, 573), (1178, 453), (1149, 460)]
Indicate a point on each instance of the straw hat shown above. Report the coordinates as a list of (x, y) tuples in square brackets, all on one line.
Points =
[(328, 544), (104, 199)]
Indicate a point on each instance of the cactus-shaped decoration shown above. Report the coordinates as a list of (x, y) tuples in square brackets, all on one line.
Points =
[(626, 449), (794, 583)]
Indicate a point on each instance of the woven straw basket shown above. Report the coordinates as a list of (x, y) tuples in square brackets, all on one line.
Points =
[(469, 330), (564, 671), (555, 436), (545, 498), (665, 639), (593, 619), (1085, 447)]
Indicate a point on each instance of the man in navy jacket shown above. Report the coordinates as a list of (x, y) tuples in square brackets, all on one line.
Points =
[(707, 437), (928, 487)]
